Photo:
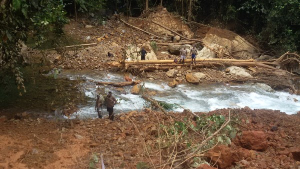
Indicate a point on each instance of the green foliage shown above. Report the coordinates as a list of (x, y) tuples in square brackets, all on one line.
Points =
[(93, 161), (90, 5), (207, 126), (276, 22), (17, 19), (154, 46), (188, 134), (166, 106), (142, 165)]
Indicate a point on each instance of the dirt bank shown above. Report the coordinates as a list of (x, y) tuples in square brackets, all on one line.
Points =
[(129, 141)]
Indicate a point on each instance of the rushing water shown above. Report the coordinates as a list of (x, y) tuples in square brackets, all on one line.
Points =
[(197, 98)]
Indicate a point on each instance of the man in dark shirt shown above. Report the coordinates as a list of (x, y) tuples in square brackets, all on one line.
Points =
[(110, 103), (143, 54)]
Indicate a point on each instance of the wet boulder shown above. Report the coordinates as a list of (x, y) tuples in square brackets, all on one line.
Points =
[(265, 87), (173, 84), (136, 89), (191, 78)]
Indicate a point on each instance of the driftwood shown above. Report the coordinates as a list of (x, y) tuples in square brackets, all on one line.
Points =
[(139, 29), (119, 84)]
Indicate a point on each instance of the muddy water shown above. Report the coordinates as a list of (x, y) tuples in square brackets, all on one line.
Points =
[(197, 98)]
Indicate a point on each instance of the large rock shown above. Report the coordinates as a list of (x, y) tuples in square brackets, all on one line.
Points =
[(175, 49), (199, 75), (230, 43), (265, 87), (133, 52), (173, 84), (194, 77), (221, 155), (136, 89), (176, 39), (238, 71), (254, 140), (206, 53), (172, 73), (191, 78)]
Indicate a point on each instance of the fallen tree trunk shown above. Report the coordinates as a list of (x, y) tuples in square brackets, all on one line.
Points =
[(119, 84), (156, 64), (142, 62)]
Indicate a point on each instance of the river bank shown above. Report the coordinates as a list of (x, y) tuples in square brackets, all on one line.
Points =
[(131, 141)]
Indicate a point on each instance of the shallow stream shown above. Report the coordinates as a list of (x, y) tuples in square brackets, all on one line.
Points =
[(197, 98)]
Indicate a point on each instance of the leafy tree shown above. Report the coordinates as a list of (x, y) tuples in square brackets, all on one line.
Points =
[(17, 19)]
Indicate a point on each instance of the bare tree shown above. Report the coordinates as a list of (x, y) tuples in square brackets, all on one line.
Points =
[(147, 5), (190, 10)]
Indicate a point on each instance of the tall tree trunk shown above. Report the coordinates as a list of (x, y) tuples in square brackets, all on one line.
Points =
[(147, 5), (161, 1), (182, 8), (190, 10), (75, 9)]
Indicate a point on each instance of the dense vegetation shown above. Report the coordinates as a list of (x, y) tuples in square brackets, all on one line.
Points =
[(275, 24)]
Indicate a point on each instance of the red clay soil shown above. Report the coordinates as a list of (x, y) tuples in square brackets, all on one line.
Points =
[(268, 139)]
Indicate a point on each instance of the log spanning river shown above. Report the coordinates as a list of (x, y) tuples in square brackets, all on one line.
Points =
[(197, 98)]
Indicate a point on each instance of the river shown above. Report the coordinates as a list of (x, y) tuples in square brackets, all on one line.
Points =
[(197, 98)]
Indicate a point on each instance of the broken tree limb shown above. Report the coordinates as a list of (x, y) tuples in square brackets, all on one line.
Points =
[(139, 29), (119, 84), (75, 46)]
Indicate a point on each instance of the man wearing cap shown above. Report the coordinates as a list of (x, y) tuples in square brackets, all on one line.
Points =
[(110, 103)]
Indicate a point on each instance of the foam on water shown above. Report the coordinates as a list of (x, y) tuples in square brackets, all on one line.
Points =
[(197, 98), (158, 87)]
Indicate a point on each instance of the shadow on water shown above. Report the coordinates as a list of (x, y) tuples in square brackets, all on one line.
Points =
[(44, 94)]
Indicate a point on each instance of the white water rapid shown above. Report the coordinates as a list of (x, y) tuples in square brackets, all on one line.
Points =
[(197, 98)]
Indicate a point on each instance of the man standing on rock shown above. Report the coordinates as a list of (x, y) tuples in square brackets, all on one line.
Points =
[(194, 54), (98, 106), (183, 53), (110, 103), (143, 53)]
